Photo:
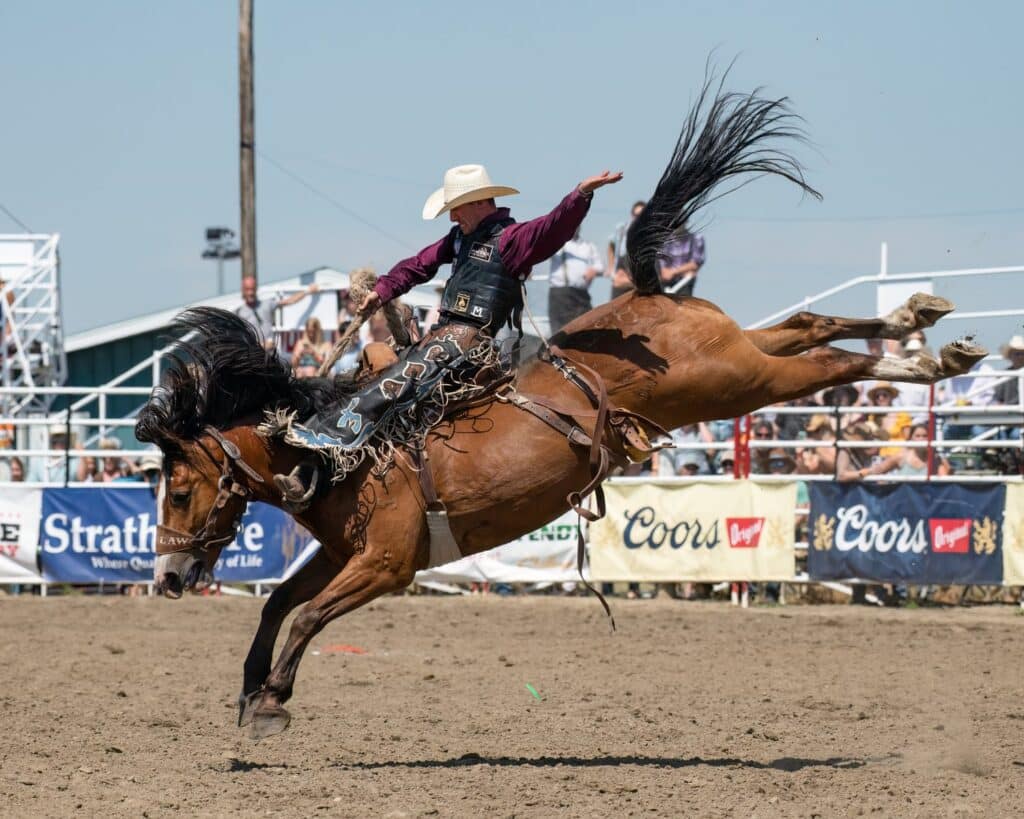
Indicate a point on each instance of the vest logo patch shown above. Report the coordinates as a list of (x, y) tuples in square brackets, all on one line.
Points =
[(480, 252), (478, 312), (461, 303)]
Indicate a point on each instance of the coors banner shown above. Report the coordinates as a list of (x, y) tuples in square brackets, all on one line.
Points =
[(914, 533), (702, 531)]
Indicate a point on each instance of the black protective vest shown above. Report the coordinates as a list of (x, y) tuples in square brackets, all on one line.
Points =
[(480, 290)]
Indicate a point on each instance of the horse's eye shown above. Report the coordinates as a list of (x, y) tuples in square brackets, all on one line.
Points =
[(180, 498)]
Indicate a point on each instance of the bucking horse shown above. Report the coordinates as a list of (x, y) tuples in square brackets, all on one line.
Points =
[(516, 458)]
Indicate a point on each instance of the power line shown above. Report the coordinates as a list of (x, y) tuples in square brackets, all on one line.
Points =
[(855, 219), (332, 201), (16, 220)]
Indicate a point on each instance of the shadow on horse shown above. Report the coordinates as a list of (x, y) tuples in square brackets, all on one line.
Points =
[(500, 471)]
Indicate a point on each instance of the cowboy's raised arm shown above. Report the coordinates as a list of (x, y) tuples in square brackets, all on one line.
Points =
[(525, 244), (410, 272)]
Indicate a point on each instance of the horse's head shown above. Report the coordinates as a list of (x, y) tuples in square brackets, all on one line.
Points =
[(203, 495)]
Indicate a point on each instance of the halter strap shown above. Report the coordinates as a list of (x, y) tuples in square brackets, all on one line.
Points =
[(170, 540)]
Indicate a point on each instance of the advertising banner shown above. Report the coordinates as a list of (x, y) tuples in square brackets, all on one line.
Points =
[(107, 535), (912, 533), (701, 532), (19, 534), (1013, 536), (545, 556)]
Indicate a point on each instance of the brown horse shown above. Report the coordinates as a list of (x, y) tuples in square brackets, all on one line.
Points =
[(500, 471)]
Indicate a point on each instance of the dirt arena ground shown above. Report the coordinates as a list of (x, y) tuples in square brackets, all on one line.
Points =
[(127, 707)]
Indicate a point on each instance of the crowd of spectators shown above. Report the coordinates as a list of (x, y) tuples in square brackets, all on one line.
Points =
[(783, 442)]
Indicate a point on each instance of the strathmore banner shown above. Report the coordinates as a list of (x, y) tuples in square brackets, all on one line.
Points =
[(1013, 536), (89, 535), (702, 532), (942, 533)]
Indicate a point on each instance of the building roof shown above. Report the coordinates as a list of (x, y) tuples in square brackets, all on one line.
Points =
[(327, 277)]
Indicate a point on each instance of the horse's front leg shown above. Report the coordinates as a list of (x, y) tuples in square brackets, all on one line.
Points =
[(297, 589), (362, 580)]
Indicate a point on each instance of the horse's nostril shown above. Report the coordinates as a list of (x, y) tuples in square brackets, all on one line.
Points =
[(170, 585)]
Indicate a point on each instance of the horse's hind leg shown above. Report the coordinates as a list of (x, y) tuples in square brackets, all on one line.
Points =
[(362, 580), (296, 590), (793, 377), (804, 330)]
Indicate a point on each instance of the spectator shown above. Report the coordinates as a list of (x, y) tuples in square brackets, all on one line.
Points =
[(311, 350), (6, 300), (673, 461), (691, 463), (794, 427), (113, 466), (845, 395), (15, 470), (1008, 392), (857, 463), (260, 312), (618, 262), (780, 462), (725, 462), (762, 431), (913, 395), (679, 262), (573, 268), (56, 468), (883, 395), (88, 470), (818, 460), (149, 468), (379, 330), (914, 460)]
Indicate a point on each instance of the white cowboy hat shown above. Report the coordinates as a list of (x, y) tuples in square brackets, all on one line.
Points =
[(1014, 345), (462, 184)]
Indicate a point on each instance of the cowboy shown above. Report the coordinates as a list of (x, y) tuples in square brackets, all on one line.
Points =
[(491, 255)]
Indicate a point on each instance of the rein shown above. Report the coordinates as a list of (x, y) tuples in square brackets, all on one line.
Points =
[(169, 541), (599, 464)]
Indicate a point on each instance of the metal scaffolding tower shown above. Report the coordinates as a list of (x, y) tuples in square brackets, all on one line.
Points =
[(31, 332)]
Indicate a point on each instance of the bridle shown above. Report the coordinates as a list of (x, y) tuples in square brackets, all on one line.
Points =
[(169, 541)]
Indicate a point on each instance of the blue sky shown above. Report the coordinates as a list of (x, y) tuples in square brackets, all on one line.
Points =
[(120, 132)]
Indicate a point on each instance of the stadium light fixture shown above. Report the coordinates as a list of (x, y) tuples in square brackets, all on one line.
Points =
[(220, 245)]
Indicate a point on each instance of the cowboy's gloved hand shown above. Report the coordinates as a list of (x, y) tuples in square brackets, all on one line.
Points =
[(370, 303), (592, 183)]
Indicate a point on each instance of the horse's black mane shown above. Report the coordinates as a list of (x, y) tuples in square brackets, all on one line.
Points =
[(219, 373), (728, 140)]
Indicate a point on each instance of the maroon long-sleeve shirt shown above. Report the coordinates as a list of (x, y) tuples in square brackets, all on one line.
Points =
[(522, 245)]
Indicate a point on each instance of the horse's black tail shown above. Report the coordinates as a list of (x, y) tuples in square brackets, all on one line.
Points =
[(725, 135)]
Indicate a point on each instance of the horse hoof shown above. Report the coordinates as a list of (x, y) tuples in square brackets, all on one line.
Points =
[(959, 356), (928, 309), (268, 721), (246, 706)]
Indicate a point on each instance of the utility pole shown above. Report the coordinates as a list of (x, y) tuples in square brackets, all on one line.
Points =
[(247, 136)]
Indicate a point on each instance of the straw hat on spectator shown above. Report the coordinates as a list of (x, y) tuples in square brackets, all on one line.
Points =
[(819, 423), (151, 460), (463, 184), (868, 431), (880, 387), (1014, 345)]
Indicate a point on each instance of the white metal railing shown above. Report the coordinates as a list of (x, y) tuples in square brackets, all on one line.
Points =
[(884, 277)]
